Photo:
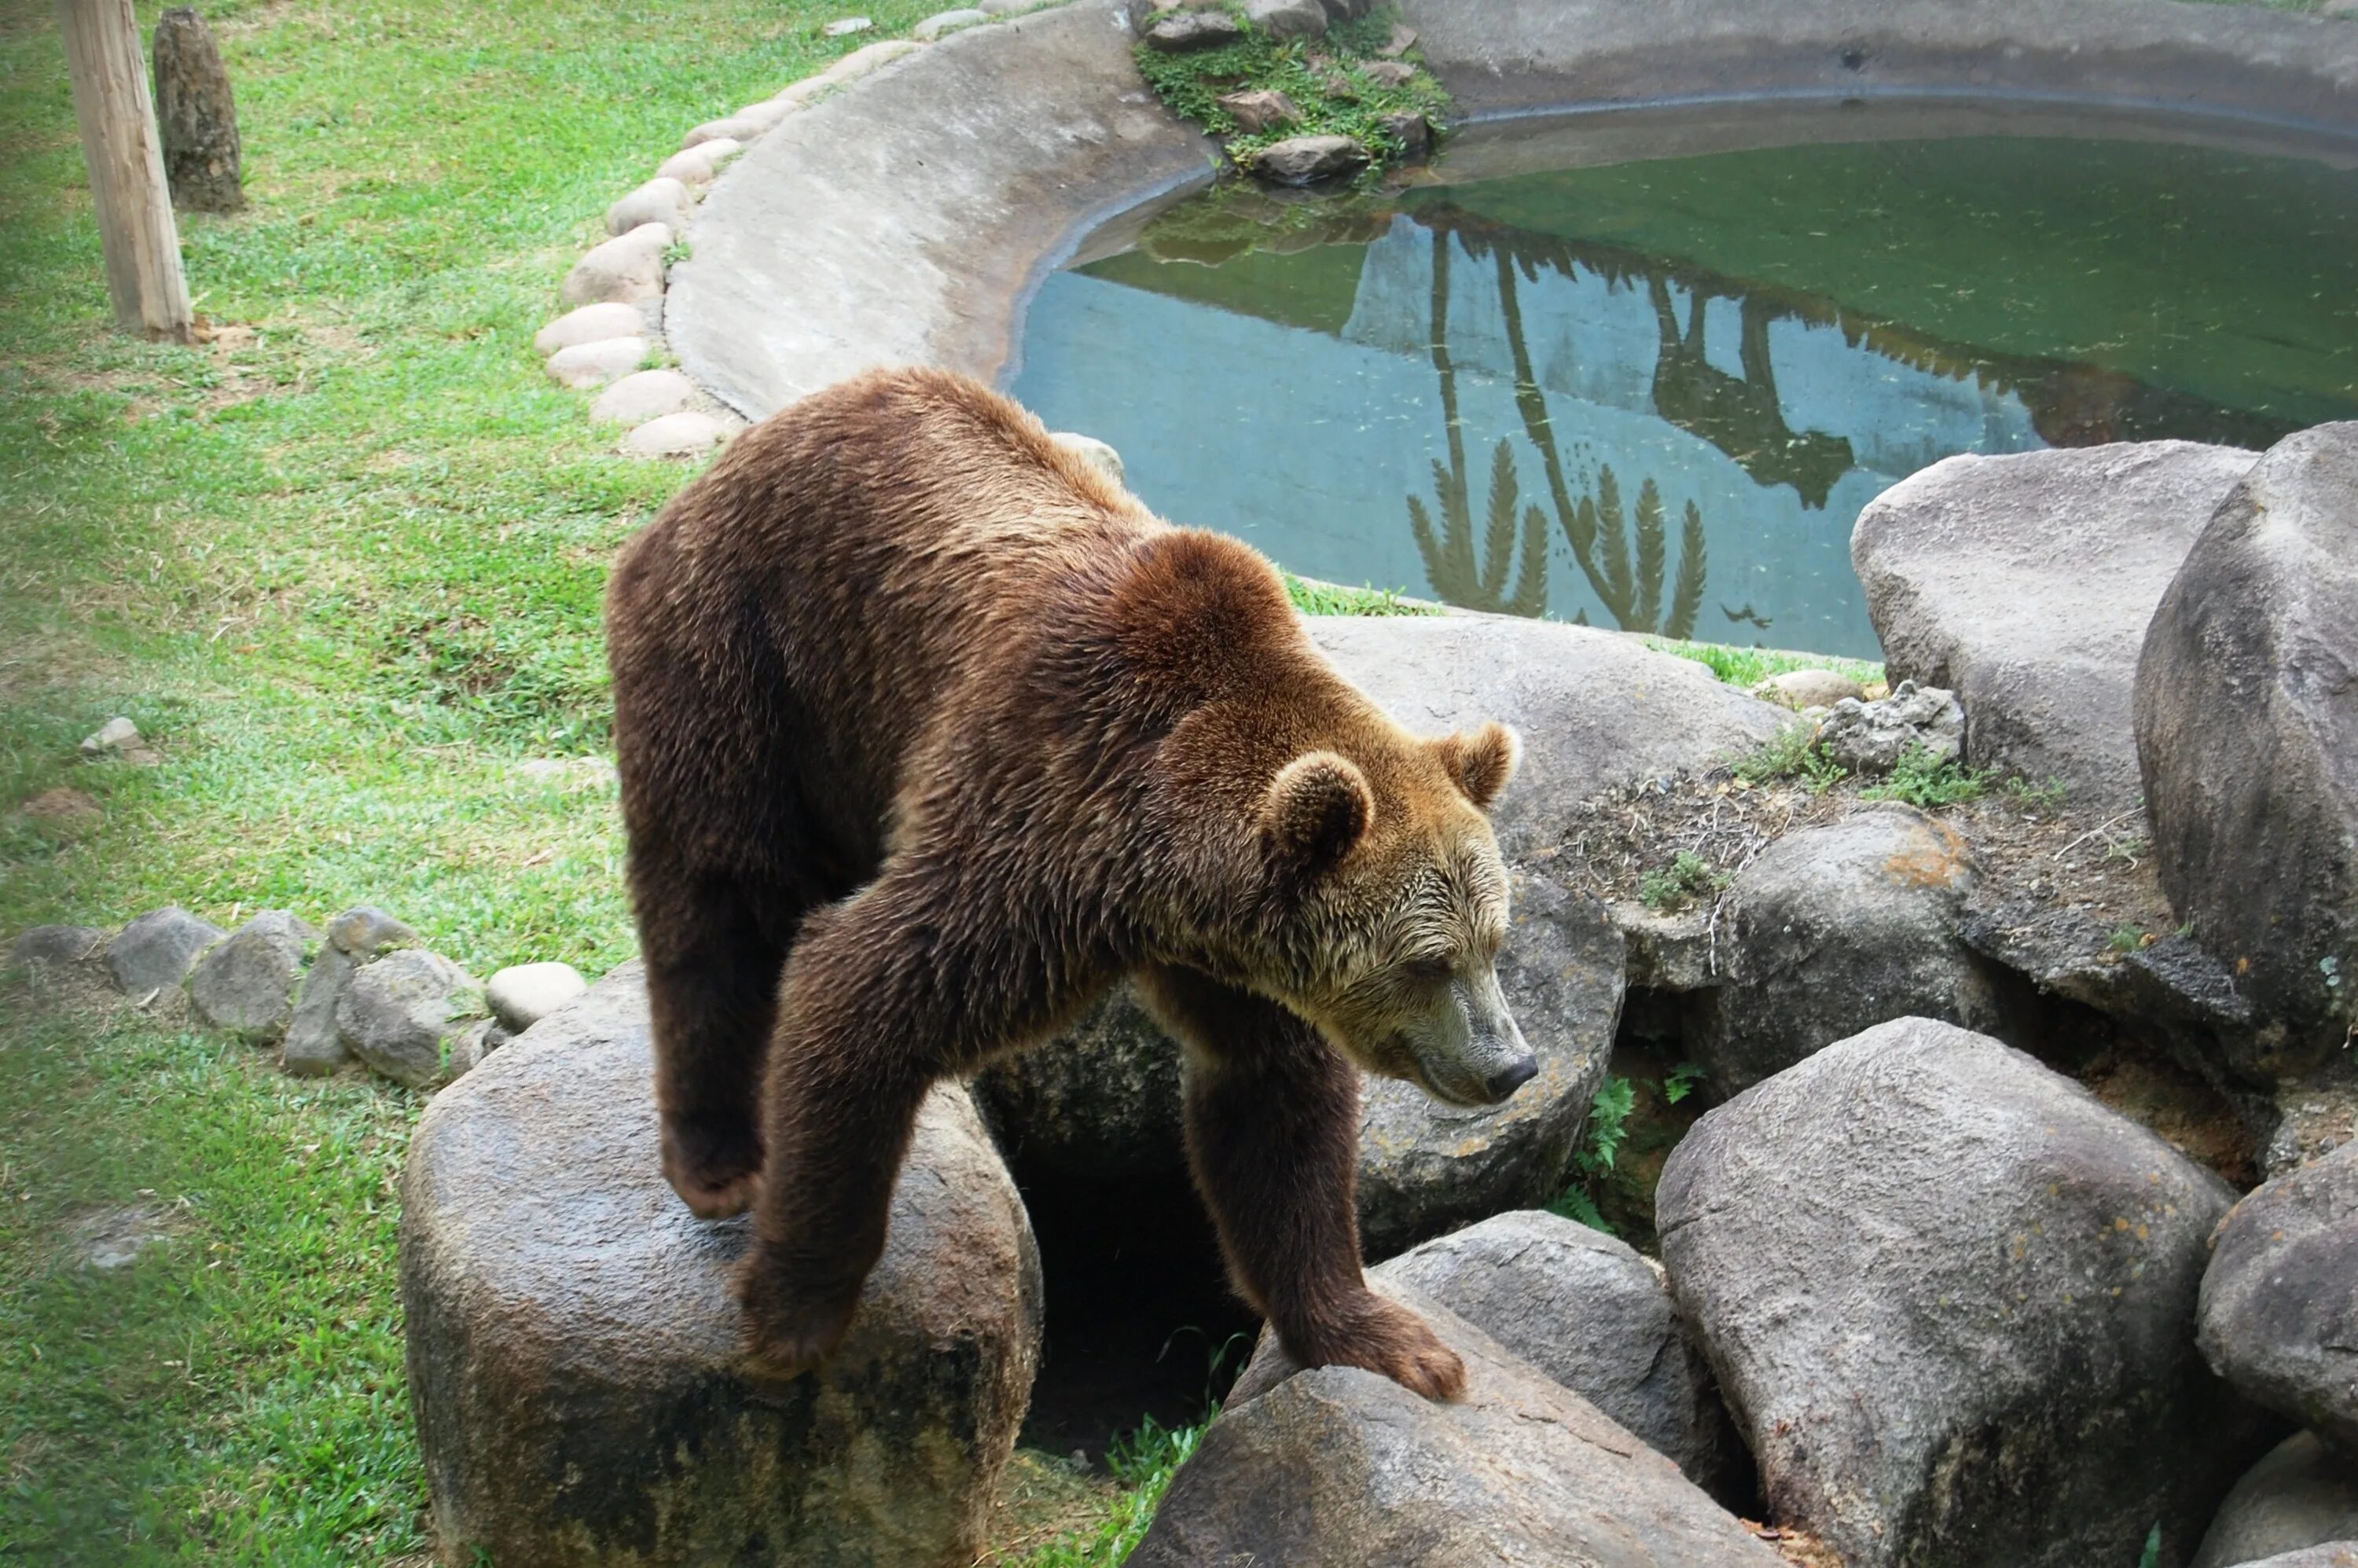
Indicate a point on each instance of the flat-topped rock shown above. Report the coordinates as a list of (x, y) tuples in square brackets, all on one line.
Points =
[(2025, 583), (1340, 1468), (1596, 710), (573, 1342)]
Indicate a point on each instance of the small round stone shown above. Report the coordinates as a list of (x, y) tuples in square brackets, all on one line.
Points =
[(682, 435), (642, 395), (590, 324), (594, 365)]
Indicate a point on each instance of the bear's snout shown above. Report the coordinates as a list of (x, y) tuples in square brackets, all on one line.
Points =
[(1513, 1076)]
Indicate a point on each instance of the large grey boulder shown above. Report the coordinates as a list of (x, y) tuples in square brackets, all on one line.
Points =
[(1596, 710), (394, 1014), (2024, 582), (2247, 735), (1950, 1298), (2280, 1301), (1342, 1468), (572, 1340), (157, 950), (1103, 1099), (1588, 1310), (1836, 928), (2302, 1494), (2333, 1554), (246, 985)]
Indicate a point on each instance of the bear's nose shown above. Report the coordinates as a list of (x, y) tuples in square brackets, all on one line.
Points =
[(1514, 1075)]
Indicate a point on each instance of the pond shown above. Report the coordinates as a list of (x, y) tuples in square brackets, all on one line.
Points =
[(1642, 371)]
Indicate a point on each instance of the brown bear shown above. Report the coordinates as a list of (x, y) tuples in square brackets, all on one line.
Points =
[(928, 733)]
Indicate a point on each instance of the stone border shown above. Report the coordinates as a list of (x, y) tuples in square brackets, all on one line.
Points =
[(909, 222), (612, 342)]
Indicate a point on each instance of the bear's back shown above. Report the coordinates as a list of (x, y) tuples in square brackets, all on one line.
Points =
[(845, 572)]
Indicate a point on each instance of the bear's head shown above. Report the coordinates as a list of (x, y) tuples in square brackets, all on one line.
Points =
[(1393, 900), (1330, 859)]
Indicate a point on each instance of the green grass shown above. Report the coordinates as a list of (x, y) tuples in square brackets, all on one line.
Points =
[(1193, 84), (1314, 598), (1796, 753), (235, 1396), (343, 565), (1748, 667)]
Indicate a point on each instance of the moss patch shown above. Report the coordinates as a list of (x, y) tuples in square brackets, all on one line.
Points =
[(1327, 78)]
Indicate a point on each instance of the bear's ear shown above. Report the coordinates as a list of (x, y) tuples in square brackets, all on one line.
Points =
[(1317, 808), (1481, 761)]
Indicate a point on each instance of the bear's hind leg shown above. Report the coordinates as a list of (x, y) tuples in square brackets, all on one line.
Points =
[(1273, 1131), (713, 956)]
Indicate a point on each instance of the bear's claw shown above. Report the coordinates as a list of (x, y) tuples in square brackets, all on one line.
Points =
[(713, 1183), (785, 1335), (1389, 1339)]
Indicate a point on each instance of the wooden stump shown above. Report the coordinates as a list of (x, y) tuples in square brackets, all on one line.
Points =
[(198, 115), (120, 146)]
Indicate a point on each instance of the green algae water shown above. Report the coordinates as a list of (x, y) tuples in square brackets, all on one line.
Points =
[(1654, 393)]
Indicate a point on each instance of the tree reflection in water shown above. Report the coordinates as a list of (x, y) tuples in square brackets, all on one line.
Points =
[(1628, 580)]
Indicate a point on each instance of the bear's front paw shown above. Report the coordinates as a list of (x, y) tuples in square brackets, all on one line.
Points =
[(716, 1173), (787, 1330), (1384, 1336)]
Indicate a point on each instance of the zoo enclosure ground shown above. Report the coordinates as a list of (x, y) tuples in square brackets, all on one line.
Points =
[(342, 561)]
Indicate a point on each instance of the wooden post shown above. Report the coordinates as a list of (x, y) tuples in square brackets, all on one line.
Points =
[(125, 160), (197, 115)]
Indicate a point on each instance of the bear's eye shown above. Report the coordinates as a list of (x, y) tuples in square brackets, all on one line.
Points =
[(1428, 969)]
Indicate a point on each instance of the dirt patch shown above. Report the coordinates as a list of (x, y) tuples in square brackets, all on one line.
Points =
[(62, 807), (2062, 859), (1040, 1498), (114, 1236), (1801, 1550)]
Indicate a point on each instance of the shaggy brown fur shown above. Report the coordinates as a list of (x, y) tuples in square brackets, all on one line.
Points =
[(921, 712)]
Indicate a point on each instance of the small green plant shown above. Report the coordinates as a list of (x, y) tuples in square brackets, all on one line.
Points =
[(1574, 1204), (2151, 1557), (1326, 79), (678, 251), (1143, 1461), (2126, 851), (1796, 754), (1688, 876), (1609, 1126), (1681, 1081), (2128, 938), (2047, 796), (1922, 780)]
